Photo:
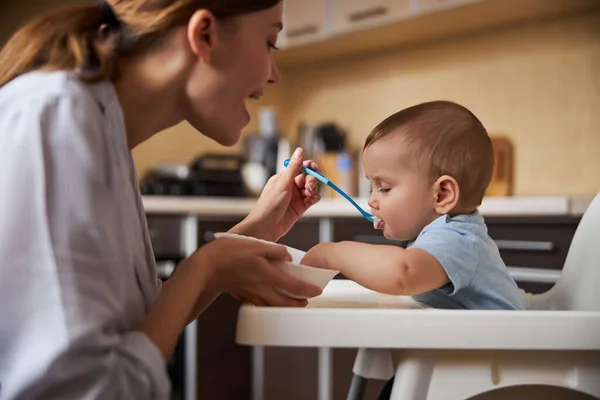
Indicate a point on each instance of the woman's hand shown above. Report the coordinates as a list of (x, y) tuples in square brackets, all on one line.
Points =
[(248, 270), (283, 201)]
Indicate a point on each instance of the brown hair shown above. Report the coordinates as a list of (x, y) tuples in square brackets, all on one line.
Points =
[(447, 139), (66, 39)]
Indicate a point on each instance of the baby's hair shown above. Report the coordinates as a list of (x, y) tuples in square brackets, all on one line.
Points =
[(446, 139)]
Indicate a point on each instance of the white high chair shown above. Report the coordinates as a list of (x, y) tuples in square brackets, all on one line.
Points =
[(453, 354), (544, 356)]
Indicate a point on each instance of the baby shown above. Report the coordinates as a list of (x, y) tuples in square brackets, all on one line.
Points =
[(429, 166)]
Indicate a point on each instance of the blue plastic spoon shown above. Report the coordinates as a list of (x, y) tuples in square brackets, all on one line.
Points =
[(332, 185)]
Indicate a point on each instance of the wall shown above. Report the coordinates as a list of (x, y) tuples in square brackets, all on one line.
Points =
[(537, 84)]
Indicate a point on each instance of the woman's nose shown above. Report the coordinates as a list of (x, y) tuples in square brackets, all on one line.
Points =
[(275, 75)]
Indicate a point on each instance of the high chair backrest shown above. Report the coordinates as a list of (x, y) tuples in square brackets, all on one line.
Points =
[(579, 285)]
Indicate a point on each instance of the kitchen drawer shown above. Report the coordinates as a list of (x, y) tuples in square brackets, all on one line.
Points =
[(304, 21), (350, 15), (540, 242)]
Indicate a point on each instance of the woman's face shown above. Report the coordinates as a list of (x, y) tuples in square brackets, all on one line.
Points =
[(234, 63)]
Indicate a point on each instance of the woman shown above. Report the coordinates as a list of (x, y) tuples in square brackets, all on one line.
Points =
[(80, 88)]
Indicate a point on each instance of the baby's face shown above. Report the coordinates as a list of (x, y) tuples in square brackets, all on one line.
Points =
[(402, 197)]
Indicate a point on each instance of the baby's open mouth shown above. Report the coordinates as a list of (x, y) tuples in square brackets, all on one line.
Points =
[(377, 223)]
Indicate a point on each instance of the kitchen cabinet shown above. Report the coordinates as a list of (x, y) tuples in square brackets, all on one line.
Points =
[(350, 15), (438, 5), (304, 21), (284, 366), (357, 27), (224, 367)]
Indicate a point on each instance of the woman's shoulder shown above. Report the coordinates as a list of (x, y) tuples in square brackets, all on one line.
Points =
[(41, 87), (56, 113)]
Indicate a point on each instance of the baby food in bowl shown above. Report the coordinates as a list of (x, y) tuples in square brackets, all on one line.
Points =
[(316, 276)]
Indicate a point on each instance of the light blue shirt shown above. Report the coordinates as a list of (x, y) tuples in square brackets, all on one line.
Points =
[(478, 277)]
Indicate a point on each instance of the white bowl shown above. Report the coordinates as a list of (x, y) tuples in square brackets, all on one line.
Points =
[(316, 276)]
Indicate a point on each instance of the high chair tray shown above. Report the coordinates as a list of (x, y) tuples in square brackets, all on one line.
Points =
[(348, 315)]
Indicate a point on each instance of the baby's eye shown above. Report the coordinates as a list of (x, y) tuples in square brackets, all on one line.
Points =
[(384, 190)]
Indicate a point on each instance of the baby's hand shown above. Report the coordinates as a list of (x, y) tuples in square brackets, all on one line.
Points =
[(315, 257)]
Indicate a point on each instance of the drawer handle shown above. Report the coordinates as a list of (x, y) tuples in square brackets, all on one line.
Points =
[(377, 11), (303, 30), (524, 245), (535, 275)]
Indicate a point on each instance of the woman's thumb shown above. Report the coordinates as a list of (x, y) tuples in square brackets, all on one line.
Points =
[(293, 168), (276, 252)]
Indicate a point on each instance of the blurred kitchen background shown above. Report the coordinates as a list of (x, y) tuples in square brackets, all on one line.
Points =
[(529, 69)]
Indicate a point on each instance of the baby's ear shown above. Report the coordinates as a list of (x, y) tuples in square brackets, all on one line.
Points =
[(446, 194)]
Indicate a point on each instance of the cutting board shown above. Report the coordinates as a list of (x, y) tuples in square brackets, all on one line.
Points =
[(502, 177)]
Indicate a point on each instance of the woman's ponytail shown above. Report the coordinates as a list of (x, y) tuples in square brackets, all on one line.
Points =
[(60, 40), (88, 39)]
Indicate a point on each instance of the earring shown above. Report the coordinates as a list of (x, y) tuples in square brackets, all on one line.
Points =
[(104, 32)]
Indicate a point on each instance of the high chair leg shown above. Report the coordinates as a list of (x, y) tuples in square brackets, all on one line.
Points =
[(357, 388), (413, 376), (459, 375)]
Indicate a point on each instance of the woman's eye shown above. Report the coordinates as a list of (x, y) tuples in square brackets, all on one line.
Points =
[(271, 46)]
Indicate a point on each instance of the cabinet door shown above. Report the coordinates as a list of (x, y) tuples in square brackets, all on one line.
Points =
[(349, 15), (434, 5), (291, 373), (224, 367), (303, 235), (304, 21)]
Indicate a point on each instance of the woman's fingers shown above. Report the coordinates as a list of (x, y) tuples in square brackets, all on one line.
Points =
[(275, 298), (300, 181), (311, 164), (257, 301), (274, 252), (311, 201), (289, 284)]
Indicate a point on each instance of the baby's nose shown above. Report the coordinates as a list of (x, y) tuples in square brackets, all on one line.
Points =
[(373, 204)]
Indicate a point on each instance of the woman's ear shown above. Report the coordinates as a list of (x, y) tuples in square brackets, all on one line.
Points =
[(446, 194), (202, 34)]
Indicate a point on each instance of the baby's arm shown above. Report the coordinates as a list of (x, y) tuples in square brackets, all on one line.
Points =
[(385, 269)]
